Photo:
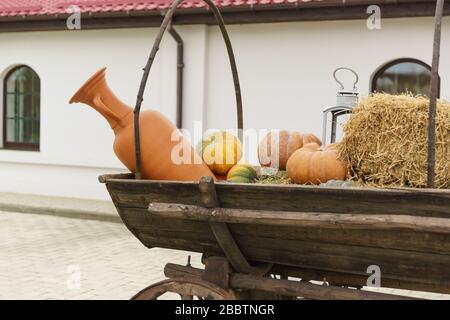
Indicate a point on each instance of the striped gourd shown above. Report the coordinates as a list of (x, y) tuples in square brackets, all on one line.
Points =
[(242, 173)]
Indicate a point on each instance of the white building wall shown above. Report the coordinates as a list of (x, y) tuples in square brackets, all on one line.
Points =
[(286, 69), (285, 72)]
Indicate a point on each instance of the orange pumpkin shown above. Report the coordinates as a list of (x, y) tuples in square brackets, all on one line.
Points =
[(314, 164), (277, 146), (310, 138)]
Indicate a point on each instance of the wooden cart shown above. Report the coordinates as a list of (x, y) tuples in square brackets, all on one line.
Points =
[(312, 233), (255, 239)]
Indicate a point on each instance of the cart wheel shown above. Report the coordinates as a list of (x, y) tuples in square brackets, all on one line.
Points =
[(186, 289)]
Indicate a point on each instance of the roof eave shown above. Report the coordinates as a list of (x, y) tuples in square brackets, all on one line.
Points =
[(314, 11), (224, 9)]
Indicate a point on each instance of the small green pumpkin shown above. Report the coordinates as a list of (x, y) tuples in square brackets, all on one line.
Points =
[(242, 173)]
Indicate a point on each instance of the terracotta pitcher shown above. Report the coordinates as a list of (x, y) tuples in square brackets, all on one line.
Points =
[(165, 155)]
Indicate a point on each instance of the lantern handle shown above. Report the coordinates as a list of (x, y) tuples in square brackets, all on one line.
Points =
[(340, 83)]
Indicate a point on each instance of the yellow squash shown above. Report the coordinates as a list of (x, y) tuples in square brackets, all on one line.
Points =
[(221, 151)]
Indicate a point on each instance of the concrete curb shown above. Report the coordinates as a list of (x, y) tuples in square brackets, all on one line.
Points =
[(59, 206)]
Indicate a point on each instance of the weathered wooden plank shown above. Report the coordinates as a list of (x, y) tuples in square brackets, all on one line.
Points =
[(313, 199), (300, 219), (388, 239), (405, 266), (141, 200), (180, 244), (130, 226), (168, 232), (172, 270), (334, 278), (105, 177), (140, 218), (430, 275), (420, 241), (355, 280), (186, 235), (417, 202), (353, 265), (306, 290), (395, 274), (282, 287), (370, 254), (142, 222), (301, 248)]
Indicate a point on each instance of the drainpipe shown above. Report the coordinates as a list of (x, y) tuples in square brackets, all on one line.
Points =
[(180, 66)]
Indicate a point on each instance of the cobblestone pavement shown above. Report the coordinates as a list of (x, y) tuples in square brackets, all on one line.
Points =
[(46, 257), (42, 257)]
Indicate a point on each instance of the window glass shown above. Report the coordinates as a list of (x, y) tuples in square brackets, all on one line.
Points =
[(403, 76), (22, 116)]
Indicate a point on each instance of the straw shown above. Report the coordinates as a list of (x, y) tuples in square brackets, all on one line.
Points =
[(385, 141)]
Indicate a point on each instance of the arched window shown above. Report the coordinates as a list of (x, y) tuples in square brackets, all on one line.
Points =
[(403, 75), (21, 114)]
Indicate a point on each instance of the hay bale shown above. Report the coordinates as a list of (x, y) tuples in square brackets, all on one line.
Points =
[(385, 141)]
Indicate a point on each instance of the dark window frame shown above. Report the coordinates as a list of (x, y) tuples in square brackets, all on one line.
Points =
[(8, 145), (386, 66)]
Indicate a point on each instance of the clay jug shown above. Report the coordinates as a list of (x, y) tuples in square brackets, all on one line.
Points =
[(162, 155)]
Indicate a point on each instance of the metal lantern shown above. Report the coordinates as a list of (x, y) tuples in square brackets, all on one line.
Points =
[(345, 102)]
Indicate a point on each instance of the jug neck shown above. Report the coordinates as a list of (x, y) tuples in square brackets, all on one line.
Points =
[(96, 93)]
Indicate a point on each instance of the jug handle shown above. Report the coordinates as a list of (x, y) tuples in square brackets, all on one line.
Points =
[(102, 108)]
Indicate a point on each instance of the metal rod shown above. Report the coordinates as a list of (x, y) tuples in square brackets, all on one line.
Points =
[(237, 90), (137, 109), (180, 66), (434, 94)]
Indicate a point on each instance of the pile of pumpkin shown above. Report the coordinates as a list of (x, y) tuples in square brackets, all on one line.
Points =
[(300, 158)]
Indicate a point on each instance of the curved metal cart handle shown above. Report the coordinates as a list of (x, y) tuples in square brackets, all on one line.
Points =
[(237, 88), (340, 83)]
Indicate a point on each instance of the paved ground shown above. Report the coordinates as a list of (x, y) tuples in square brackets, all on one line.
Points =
[(42, 257), (48, 257)]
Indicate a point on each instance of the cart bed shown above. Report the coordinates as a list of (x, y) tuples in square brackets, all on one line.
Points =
[(305, 231)]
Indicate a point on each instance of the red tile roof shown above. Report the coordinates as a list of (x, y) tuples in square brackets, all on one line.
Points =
[(17, 8)]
